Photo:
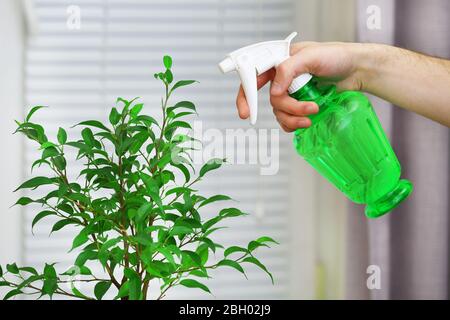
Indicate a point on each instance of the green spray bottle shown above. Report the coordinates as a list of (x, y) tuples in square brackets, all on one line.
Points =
[(346, 143)]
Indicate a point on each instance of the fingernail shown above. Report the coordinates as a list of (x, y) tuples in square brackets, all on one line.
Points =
[(302, 122), (276, 88), (312, 108)]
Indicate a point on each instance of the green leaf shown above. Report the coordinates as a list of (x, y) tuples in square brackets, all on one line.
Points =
[(252, 245), (93, 123), (123, 291), (166, 253), (62, 223), (33, 131), (29, 270), (81, 146), (11, 294), (219, 197), (167, 62), (266, 239), (34, 183), (210, 165), (146, 120), (150, 183), (114, 116), (188, 222), (46, 145), (12, 268), (88, 136), (182, 104), (136, 109), (153, 269), (180, 230), (62, 136), (178, 190), (50, 280), (134, 281), (256, 262), (193, 256), (184, 170), (75, 270), (178, 124), (101, 288), (181, 114), (59, 162), (182, 83), (49, 152), (138, 140), (41, 215), (191, 283), (203, 252), (24, 201), (234, 249), (1, 271), (30, 280), (80, 239), (104, 253), (209, 243), (79, 294), (208, 224), (143, 239), (232, 264), (169, 76), (38, 163), (85, 256), (231, 212), (33, 110)]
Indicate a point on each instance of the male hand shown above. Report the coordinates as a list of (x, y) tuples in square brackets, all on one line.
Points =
[(330, 62)]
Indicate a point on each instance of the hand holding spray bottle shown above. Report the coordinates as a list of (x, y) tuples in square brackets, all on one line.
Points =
[(345, 143)]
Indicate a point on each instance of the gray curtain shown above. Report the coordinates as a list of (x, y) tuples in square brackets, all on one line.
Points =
[(410, 245)]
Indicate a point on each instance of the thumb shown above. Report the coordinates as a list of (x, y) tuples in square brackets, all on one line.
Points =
[(285, 73)]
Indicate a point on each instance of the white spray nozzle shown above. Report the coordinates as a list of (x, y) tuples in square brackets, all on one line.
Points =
[(255, 59)]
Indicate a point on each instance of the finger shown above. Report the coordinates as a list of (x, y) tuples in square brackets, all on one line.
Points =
[(296, 47), (304, 62), (242, 105), (241, 101), (285, 129), (293, 107), (285, 73), (265, 77), (282, 125), (292, 122)]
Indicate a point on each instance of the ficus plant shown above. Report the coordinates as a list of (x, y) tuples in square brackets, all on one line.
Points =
[(135, 217)]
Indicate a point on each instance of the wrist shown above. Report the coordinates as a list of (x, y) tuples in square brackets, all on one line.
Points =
[(368, 59)]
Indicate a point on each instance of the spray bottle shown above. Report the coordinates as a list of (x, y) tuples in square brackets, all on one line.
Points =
[(346, 143)]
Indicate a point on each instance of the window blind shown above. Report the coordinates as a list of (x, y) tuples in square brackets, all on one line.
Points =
[(79, 73)]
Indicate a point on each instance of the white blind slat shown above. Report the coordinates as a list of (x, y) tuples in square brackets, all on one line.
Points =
[(79, 74)]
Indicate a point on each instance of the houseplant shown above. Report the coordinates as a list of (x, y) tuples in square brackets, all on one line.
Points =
[(133, 216)]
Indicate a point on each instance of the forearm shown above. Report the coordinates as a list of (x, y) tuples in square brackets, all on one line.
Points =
[(407, 79)]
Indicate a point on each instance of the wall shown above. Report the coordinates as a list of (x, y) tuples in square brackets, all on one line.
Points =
[(12, 35), (320, 212)]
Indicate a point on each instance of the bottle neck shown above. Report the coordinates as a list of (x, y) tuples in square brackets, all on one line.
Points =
[(309, 92)]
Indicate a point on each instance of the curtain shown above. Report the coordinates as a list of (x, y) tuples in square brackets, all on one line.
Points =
[(410, 245)]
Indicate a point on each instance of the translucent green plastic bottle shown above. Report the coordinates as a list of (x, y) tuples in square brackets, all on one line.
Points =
[(347, 145)]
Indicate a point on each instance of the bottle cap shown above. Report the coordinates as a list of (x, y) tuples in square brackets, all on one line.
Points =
[(299, 82)]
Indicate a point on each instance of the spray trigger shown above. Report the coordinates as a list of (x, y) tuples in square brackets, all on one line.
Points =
[(255, 59)]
